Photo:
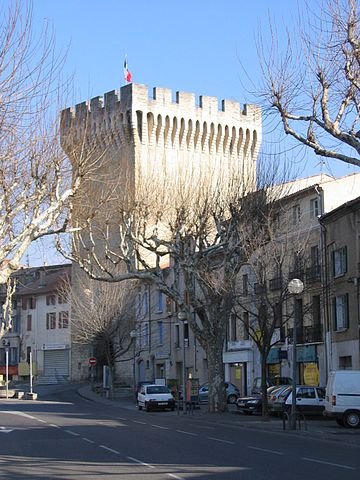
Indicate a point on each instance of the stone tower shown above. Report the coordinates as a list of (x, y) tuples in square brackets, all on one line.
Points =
[(162, 136), (165, 136)]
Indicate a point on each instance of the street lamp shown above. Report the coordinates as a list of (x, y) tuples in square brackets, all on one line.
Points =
[(295, 287), (6, 344), (133, 336), (182, 316)]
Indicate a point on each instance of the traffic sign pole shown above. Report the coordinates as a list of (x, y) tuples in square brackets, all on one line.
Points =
[(92, 363)]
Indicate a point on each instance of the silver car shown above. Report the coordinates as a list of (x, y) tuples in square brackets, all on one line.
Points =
[(232, 393)]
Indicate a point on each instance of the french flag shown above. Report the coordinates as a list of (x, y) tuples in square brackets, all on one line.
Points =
[(127, 73)]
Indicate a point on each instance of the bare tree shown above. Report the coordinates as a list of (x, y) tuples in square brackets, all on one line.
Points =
[(191, 224), (37, 184), (102, 316), (313, 84), (275, 251)]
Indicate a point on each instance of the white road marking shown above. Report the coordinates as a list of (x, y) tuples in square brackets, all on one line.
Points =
[(160, 426), (120, 418), (220, 440), (88, 440), (72, 433), (5, 430), (53, 425), (138, 421), (140, 462), (266, 450), (174, 476), (41, 421), (21, 414), (109, 449), (347, 467), (187, 433)]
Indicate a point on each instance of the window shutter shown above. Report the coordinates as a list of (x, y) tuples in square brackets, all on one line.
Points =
[(334, 313), (345, 259), (333, 263), (347, 310)]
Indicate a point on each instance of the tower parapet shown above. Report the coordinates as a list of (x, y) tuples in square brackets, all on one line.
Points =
[(131, 115)]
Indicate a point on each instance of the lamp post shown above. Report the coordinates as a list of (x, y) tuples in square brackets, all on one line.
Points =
[(295, 287), (182, 316), (6, 344), (133, 336)]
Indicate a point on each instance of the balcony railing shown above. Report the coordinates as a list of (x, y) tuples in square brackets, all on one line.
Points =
[(297, 274), (275, 283), (259, 288), (308, 334), (313, 334), (313, 274)]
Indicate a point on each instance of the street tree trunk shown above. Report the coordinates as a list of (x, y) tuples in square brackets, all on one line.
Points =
[(217, 395)]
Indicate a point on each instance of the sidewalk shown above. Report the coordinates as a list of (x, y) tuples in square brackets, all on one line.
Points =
[(322, 428)]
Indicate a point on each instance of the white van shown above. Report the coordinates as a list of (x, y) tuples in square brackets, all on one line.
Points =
[(342, 399)]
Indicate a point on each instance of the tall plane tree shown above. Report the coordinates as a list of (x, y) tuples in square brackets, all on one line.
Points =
[(35, 176), (313, 83)]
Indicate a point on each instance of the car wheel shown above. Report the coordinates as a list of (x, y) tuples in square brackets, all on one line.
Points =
[(147, 407), (352, 419), (232, 399)]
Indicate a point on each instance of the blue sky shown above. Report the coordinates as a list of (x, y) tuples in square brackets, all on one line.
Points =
[(200, 46)]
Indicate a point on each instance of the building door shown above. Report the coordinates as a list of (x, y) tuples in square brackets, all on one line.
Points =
[(56, 364), (141, 371)]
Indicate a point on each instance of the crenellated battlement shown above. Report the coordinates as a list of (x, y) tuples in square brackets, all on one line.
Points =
[(130, 116), (115, 102)]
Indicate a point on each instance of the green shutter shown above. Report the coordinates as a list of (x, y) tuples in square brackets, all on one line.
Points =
[(347, 310), (334, 312)]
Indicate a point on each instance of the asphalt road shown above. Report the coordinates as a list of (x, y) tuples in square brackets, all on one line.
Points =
[(63, 436)]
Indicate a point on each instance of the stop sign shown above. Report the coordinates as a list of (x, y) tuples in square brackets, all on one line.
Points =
[(92, 361)]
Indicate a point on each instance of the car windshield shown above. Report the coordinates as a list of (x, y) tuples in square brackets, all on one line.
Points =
[(157, 389)]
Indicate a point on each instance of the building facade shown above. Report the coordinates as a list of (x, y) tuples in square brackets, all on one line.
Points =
[(302, 241), (341, 252), (41, 325)]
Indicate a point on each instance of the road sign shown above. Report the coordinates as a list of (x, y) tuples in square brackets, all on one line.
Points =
[(92, 361)]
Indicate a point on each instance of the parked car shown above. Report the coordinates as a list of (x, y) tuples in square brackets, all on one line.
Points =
[(309, 400), (277, 406), (153, 397), (253, 403), (274, 396), (342, 400), (139, 385), (232, 393), (275, 381)]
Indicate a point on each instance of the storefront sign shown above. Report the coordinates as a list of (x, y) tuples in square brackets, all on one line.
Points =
[(311, 374)]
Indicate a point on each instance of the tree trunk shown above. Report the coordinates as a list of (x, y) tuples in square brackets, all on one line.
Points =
[(265, 410), (217, 395)]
